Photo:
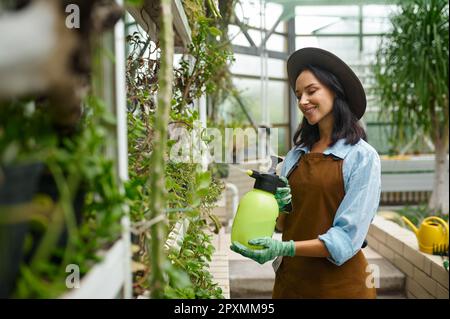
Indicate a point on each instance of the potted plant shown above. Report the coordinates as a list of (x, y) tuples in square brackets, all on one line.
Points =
[(411, 73)]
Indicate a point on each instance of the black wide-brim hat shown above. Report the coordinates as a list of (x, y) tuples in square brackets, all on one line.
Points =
[(354, 91)]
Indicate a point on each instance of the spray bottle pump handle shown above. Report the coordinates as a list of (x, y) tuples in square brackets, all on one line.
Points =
[(275, 161)]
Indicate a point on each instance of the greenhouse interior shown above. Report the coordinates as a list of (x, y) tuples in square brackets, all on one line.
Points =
[(174, 149)]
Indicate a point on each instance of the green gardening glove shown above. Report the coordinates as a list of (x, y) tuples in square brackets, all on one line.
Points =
[(272, 248), (283, 196)]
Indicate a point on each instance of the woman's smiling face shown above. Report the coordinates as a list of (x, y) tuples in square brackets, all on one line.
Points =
[(315, 100)]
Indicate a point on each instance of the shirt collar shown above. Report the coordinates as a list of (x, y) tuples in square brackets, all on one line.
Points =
[(339, 149)]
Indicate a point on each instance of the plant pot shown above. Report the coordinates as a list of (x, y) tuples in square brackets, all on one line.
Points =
[(18, 184), (12, 238)]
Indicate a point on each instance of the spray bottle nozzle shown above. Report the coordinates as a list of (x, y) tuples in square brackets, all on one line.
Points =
[(253, 173), (267, 181)]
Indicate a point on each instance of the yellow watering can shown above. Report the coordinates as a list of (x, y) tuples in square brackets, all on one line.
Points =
[(432, 232)]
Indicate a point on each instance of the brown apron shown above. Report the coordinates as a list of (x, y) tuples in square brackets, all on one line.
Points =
[(317, 190)]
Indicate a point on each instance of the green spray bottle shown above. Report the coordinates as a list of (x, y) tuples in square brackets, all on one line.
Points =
[(258, 209)]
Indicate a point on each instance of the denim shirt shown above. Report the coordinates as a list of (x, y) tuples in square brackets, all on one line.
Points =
[(361, 171)]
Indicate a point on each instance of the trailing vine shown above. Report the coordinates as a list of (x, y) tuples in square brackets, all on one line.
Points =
[(191, 193)]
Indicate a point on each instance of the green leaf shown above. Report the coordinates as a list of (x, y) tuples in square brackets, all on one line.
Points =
[(215, 32), (203, 180)]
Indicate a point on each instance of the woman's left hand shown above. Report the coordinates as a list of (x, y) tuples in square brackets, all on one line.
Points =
[(272, 248)]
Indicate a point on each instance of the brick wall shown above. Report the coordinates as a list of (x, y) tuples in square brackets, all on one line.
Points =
[(426, 278)]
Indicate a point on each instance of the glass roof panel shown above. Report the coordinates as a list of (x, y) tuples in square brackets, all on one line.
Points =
[(249, 13), (347, 48), (251, 65), (327, 11), (236, 36)]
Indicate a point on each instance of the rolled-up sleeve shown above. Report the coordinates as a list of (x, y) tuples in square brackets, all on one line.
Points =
[(358, 208)]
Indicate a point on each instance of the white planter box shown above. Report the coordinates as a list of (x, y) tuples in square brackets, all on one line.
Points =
[(106, 279)]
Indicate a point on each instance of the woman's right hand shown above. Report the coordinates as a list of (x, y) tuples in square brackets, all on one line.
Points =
[(283, 197)]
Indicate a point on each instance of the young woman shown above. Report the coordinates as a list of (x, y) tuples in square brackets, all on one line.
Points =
[(333, 177)]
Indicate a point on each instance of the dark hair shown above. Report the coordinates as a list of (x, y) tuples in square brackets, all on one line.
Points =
[(345, 122)]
